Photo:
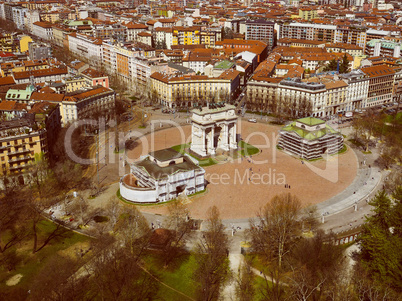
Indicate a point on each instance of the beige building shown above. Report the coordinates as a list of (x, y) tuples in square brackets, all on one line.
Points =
[(307, 13), (75, 83), (20, 140), (336, 97), (173, 90)]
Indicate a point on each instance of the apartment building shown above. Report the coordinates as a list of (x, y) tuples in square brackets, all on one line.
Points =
[(308, 13), (376, 47), (132, 30), (381, 84), (31, 16), (171, 89), (39, 51), (129, 64), (186, 35), (19, 16), (336, 101), (306, 31), (43, 75), (20, 95), (210, 36), (352, 50), (357, 90), (163, 37), (86, 47), (314, 61), (43, 30), (302, 97), (20, 140), (80, 104), (261, 30), (75, 83), (60, 35), (354, 35)]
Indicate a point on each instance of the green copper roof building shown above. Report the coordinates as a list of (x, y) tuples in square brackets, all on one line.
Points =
[(310, 138)]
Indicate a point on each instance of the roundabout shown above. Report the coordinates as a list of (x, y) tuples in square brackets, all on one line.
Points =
[(240, 187)]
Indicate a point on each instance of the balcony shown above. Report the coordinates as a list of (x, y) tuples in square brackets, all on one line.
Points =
[(20, 151), (19, 159)]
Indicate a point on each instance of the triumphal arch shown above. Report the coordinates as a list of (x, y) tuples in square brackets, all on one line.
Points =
[(213, 127)]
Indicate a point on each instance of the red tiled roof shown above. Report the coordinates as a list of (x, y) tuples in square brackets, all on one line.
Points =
[(8, 80), (40, 73), (51, 97)]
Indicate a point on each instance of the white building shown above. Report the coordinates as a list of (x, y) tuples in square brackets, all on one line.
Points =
[(163, 36), (357, 90), (213, 127), (43, 30), (31, 16), (86, 46), (162, 176), (302, 92), (19, 16)]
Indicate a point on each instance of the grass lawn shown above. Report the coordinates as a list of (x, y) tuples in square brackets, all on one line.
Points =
[(202, 162), (30, 264), (247, 149), (177, 275)]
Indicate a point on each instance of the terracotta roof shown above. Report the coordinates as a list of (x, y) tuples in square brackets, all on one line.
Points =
[(43, 24), (8, 80), (76, 97), (7, 105), (144, 34), (41, 107), (92, 73), (47, 90), (40, 73), (335, 84), (51, 97), (229, 74), (379, 70), (135, 26)]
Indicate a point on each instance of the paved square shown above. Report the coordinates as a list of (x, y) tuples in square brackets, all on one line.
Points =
[(241, 187)]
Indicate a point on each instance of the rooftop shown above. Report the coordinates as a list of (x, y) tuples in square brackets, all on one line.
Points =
[(213, 108), (166, 154), (158, 173), (311, 121)]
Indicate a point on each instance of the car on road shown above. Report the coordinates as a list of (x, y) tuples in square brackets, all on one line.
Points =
[(253, 120)]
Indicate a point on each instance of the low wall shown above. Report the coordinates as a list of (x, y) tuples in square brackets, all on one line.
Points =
[(138, 194)]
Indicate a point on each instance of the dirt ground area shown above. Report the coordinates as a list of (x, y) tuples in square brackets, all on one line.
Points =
[(240, 187)]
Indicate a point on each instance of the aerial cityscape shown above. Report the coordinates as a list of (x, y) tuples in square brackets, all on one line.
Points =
[(201, 150)]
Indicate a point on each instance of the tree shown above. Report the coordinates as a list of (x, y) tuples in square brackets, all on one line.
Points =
[(133, 231), (41, 238), (81, 209), (181, 225), (317, 265), (344, 65), (12, 219), (380, 242), (245, 290), (56, 280), (276, 228), (125, 279), (213, 265), (310, 218), (332, 65)]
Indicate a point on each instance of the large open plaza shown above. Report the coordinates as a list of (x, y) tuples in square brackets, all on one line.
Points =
[(239, 187)]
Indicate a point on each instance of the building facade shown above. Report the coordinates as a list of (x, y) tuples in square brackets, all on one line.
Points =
[(310, 138), (162, 176)]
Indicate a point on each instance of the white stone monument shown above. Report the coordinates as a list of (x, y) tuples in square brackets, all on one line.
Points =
[(213, 127)]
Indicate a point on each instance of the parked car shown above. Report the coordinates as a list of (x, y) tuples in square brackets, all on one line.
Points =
[(252, 120)]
